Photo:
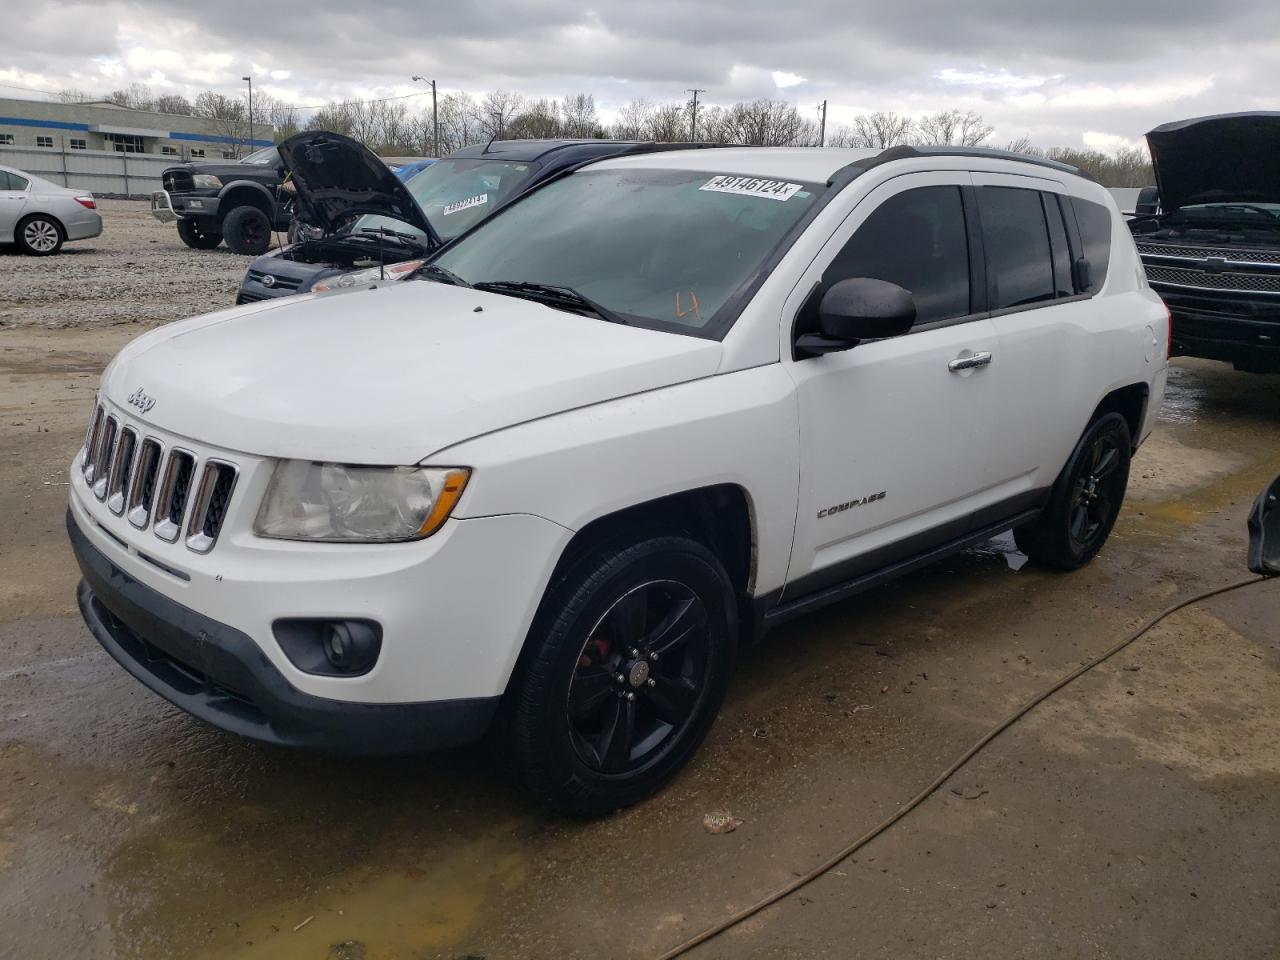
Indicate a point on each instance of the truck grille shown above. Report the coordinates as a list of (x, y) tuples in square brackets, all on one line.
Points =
[(1202, 280), (137, 478), (1204, 253)]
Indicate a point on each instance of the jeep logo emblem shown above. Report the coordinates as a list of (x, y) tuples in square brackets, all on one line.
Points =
[(141, 400)]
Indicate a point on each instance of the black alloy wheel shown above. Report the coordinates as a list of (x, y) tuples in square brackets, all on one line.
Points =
[(623, 673), (1086, 498), (639, 677), (1096, 492)]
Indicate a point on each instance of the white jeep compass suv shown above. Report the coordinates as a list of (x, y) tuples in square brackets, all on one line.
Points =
[(630, 422)]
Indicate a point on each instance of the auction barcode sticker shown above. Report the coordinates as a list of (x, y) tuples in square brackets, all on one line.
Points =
[(752, 187), (467, 204)]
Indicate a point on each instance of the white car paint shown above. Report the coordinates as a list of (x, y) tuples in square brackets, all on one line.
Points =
[(565, 419), (41, 196)]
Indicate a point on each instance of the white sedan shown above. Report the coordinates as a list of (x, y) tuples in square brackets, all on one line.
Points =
[(40, 216)]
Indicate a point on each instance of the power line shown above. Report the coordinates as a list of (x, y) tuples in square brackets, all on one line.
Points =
[(312, 106)]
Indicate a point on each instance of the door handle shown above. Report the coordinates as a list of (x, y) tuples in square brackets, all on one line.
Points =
[(969, 363)]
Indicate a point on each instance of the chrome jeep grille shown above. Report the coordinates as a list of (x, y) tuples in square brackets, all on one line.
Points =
[(1203, 280), (156, 486)]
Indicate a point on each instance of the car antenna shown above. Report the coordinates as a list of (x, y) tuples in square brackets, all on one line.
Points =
[(488, 145)]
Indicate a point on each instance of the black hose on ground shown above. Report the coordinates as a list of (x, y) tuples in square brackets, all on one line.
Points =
[(851, 848)]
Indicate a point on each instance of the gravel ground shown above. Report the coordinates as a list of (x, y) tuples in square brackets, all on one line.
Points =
[(137, 272)]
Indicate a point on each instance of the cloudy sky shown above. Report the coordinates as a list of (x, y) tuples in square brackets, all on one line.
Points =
[(1090, 72)]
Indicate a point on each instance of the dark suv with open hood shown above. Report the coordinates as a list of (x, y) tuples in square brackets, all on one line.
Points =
[(1210, 238), (372, 225)]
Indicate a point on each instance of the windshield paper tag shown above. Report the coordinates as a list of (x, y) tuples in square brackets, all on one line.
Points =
[(467, 204), (752, 187)]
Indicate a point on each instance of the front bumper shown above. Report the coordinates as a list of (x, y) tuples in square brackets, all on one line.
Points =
[(1238, 329), (218, 673), (271, 276), (166, 208)]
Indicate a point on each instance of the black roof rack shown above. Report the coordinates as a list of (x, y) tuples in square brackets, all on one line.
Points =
[(992, 153)]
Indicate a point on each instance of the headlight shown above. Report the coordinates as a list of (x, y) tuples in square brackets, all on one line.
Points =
[(206, 181), (332, 501), (392, 271)]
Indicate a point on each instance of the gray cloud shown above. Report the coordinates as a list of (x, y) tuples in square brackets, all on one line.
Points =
[(1058, 71)]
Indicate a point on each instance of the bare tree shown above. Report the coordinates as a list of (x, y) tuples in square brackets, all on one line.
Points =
[(667, 122), (879, 130), (768, 123), (537, 120), (459, 124), (497, 110), (633, 121), (578, 116), (172, 103), (137, 96), (1127, 167), (951, 127), (73, 95), (228, 114), (1023, 145), (285, 117)]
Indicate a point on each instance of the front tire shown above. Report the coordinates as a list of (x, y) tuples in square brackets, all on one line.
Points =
[(39, 236), (1086, 498), (190, 232), (247, 231), (629, 664)]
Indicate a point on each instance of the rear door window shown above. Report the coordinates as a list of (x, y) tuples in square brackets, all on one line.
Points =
[(1062, 277), (1094, 221), (917, 240), (1016, 239)]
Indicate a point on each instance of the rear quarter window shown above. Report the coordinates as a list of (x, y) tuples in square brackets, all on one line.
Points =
[(1094, 221)]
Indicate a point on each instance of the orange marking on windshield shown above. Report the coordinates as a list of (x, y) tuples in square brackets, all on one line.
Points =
[(681, 313)]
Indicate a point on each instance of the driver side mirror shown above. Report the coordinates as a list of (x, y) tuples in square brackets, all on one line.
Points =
[(1264, 531), (858, 309)]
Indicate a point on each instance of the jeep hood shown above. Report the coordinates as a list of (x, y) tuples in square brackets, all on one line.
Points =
[(1221, 159), (388, 375), (339, 179)]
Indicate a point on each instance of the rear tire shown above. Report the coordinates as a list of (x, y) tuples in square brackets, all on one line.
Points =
[(660, 615), (1086, 498), (247, 231), (39, 235), (193, 236)]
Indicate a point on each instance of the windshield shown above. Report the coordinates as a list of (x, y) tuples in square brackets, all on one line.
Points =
[(456, 194), (263, 156), (667, 249)]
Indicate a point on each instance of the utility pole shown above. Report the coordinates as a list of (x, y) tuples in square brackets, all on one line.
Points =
[(250, 79), (693, 125), (822, 127), (435, 118)]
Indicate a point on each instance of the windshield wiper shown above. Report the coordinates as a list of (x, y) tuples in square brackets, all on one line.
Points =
[(435, 270), (553, 295), (388, 233)]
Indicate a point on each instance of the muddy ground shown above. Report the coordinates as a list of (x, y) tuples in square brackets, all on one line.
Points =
[(1134, 815)]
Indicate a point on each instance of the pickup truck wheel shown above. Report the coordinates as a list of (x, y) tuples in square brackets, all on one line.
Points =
[(190, 233), (247, 231), (39, 236), (630, 666), (1086, 499)]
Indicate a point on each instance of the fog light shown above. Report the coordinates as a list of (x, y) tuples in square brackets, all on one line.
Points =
[(330, 648), (350, 646)]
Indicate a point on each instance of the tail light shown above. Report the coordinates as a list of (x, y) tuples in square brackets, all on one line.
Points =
[(87, 201)]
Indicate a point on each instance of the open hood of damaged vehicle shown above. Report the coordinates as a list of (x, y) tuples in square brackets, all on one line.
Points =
[(388, 375), (1232, 157), (339, 179)]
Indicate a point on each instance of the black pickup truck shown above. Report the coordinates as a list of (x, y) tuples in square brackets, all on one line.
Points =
[(240, 202), (1209, 236)]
